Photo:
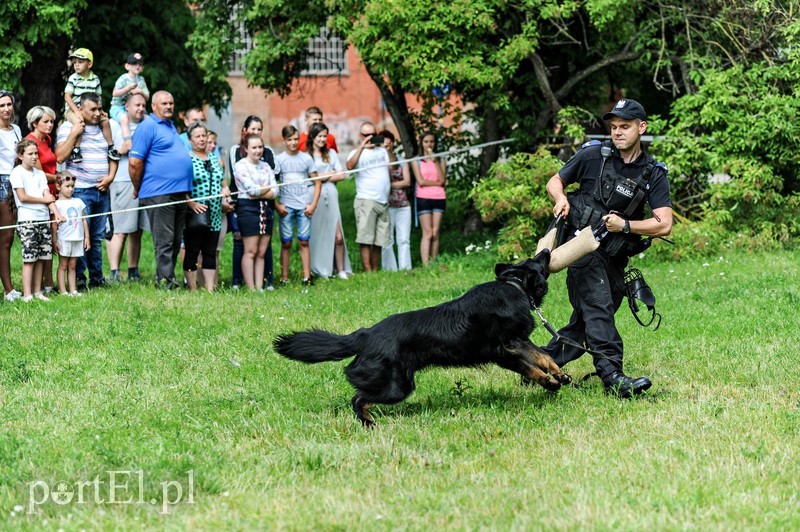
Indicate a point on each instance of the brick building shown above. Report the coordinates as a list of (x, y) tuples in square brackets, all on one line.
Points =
[(336, 82)]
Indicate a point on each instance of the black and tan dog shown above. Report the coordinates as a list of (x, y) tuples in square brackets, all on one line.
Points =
[(490, 324)]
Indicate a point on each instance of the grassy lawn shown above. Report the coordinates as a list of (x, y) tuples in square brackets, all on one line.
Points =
[(178, 391)]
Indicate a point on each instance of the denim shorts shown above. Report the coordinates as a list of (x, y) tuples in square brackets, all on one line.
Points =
[(303, 225), (428, 206), (5, 188)]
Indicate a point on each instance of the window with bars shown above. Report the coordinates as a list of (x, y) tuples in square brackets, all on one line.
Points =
[(327, 54), (237, 61)]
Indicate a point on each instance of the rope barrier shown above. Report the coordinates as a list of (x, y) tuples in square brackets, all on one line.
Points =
[(311, 179)]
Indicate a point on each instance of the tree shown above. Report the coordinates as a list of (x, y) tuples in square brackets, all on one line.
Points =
[(739, 122), (485, 51), (160, 35), (515, 65), (734, 69), (38, 37)]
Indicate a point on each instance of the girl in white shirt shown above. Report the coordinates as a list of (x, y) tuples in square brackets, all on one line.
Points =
[(34, 204), (256, 184)]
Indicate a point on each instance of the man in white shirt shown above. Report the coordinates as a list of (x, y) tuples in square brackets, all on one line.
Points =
[(129, 223), (372, 195), (94, 175)]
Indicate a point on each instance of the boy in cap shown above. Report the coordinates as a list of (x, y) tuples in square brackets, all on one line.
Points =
[(132, 82), (83, 80)]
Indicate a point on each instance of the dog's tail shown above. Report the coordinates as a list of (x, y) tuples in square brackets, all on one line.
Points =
[(314, 346)]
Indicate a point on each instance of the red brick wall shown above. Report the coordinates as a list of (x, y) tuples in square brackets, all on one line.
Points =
[(346, 101)]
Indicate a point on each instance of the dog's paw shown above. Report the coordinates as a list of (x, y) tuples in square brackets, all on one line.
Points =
[(564, 379), (550, 383)]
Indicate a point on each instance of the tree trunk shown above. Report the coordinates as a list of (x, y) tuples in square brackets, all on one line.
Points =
[(554, 98), (395, 99), (44, 79), (472, 222)]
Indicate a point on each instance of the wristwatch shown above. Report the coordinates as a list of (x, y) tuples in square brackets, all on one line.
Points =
[(627, 227)]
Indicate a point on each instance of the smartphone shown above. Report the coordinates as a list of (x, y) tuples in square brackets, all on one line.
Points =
[(377, 140)]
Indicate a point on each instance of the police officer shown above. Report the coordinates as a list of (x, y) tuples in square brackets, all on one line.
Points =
[(615, 180)]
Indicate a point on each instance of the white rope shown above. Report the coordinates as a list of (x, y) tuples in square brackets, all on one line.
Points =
[(310, 179)]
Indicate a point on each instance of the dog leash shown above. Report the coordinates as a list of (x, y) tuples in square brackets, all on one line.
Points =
[(525, 381), (517, 283), (563, 340)]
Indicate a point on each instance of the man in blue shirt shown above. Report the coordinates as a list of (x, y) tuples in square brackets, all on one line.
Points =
[(161, 173)]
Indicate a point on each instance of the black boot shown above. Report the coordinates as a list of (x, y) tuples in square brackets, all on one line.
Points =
[(624, 387)]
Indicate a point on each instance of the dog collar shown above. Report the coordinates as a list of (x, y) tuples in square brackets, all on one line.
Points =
[(516, 283)]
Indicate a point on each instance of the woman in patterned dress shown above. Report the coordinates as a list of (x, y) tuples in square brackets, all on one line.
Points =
[(209, 180)]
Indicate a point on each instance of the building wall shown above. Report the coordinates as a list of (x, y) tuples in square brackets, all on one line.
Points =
[(346, 100)]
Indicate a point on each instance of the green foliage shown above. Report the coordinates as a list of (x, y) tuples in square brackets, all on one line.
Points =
[(515, 194), (741, 126), (160, 36), (214, 40), (25, 25), (112, 30), (423, 45)]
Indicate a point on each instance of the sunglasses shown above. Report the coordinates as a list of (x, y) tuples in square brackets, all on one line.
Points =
[(64, 179), (207, 165), (4, 92)]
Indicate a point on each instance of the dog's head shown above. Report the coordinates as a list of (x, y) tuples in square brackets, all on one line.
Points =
[(530, 273)]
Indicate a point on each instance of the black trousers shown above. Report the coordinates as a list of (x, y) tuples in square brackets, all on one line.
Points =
[(166, 226), (596, 286), (196, 241)]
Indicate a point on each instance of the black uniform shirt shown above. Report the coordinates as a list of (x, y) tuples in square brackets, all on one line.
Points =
[(584, 168)]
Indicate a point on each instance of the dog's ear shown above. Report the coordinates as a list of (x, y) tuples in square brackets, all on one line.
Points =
[(500, 269)]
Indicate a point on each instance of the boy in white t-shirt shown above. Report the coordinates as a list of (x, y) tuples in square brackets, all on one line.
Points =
[(73, 235), (34, 205), (297, 203)]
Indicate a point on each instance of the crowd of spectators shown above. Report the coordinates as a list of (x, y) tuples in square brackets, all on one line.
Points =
[(56, 194)]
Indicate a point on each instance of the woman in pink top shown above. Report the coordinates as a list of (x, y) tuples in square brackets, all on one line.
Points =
[(431, 178)]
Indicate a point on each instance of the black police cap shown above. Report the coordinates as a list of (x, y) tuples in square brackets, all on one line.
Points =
[(626, 109)]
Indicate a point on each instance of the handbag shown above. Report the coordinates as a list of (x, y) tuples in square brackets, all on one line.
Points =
[(195, 221)]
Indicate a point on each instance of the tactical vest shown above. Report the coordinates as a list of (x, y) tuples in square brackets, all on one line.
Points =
[(613, 192)]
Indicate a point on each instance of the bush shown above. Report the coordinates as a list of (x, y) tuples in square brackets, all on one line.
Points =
[(514, 194), (741, 124)]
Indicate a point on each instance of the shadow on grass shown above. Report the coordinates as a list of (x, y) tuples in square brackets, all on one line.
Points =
[(442, 403)]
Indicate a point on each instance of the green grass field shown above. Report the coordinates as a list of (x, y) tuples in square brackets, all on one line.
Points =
[(136, 393)]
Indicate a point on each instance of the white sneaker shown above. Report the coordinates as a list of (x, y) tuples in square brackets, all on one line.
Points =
[(41, 297), (76, 294), (27, 299), (342, 275), (13, 296), (270, 288)]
